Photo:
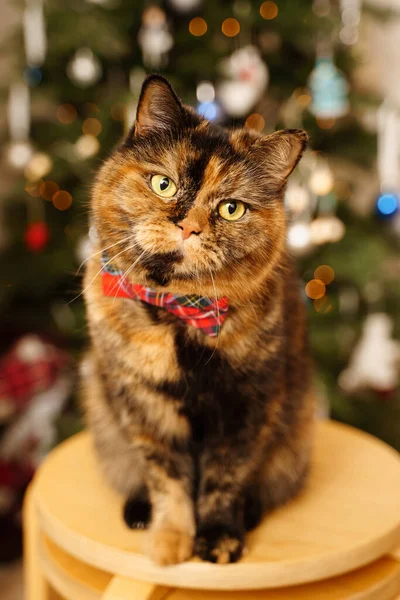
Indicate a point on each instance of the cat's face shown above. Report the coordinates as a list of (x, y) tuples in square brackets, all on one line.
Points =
[(184, 201)]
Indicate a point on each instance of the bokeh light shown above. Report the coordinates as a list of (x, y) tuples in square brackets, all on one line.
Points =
[(324, 273), (315, 289), (299, 236), (205, 91), (322, 305), (39, 165), (208, 110), (92, 126), (87, 146), (268, 10), (33, 188), (325, 123), (48, 189), (230, 27), (66, 114), (198, 26), (303, 100), (62, 200), (255, 121), (91, 107), (387, 204)]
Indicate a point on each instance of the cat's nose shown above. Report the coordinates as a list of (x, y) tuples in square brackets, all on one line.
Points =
[(189, 227)]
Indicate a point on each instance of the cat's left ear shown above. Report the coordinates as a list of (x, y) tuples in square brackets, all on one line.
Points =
[(159, 107), (281, 151)]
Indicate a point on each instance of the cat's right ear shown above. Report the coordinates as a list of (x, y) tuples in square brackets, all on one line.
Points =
[(159, 108)]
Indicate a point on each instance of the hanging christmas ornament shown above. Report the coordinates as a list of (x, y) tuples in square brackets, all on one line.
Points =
[(39, 165), (185, 5), (375, 361), (36, 236), (34, 33), (329, 90), (388, 122), (351, 15), (248, 79), (84, 69), (154, 38)]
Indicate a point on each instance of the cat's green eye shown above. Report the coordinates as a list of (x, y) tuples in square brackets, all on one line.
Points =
[(163, 186), (231, 210)]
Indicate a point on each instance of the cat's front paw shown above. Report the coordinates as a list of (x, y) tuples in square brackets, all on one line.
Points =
[(218, 544), (170, 546)]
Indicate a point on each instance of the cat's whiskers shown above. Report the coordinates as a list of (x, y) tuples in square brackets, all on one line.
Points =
[(99, 252), (125, 275), (100, 270)]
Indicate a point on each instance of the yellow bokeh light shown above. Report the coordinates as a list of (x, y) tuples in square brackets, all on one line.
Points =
[(62, 200), (91, 107), (230, 27), (92, 126), (315, 289), (322, 305), (268, 10), (325, 123), (33, 188), (303, 100), (198, 26), (255, 121), (324, 273), (48, 189), (66, 114)]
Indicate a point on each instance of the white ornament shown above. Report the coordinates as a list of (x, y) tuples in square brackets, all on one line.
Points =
[(375, 359), (321, 180), (185, 5), (84, 69), (249, 77), (154, 38)]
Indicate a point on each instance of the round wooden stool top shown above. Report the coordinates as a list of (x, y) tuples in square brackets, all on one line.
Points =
[(348, 516)]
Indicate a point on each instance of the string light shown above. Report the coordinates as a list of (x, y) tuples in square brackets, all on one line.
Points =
[(208, 110), (299, 236), (315, 289), (66, 114), (33, 188), (230, 27), (268, 10), (205, 92), (387, 204), (39, 165), (198, 26), (255, 121), (62, 200), (87, 146)]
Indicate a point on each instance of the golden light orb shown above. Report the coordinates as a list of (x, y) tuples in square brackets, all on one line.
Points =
[(62, 200), (66, 114), (230, 27), (92, 126), (198, 26), (324, 273), (48, 189), (315, 289), (269, 10), (255, 121)]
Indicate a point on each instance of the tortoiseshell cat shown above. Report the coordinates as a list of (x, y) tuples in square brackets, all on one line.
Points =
[(202, 434)]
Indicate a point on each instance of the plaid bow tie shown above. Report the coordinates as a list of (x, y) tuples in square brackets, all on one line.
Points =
[(199, 311)]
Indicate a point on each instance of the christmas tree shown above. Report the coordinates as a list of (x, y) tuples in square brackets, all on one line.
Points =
[(263, 65)]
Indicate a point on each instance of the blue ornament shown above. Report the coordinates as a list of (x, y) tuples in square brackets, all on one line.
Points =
[(329, 90), (387, 205), (208, 110)]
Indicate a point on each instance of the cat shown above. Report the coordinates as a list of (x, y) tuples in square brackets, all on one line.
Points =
[(203, 428)]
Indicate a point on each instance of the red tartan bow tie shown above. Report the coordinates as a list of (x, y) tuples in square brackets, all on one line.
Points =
[(198, 311)]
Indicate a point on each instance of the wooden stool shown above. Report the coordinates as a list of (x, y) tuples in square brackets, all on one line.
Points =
[(333, 542)]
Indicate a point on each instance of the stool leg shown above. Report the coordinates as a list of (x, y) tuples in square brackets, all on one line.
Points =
[(125, 588), (35, 585)]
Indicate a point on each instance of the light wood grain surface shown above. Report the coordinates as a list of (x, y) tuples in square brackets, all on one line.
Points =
[(347, 517)]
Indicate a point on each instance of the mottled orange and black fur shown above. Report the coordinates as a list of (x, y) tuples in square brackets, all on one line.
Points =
[(202, 435)]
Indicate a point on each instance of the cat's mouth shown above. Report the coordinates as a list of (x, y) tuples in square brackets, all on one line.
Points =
[(160, 266)]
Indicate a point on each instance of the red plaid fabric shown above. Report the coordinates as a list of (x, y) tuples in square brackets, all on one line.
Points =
[(200, 312)]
